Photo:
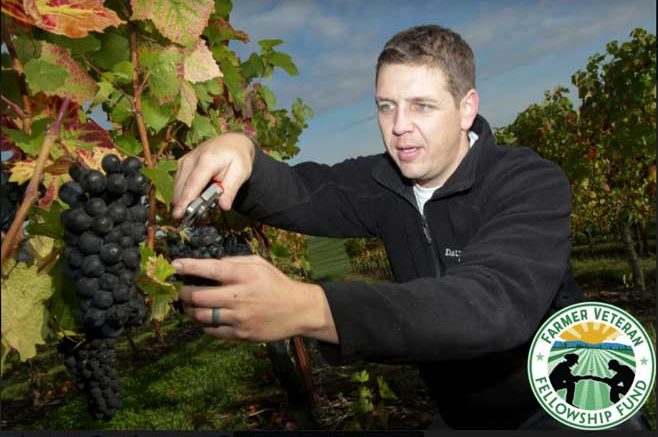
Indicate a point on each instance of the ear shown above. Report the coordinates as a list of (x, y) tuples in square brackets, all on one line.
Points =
[(468, 108)]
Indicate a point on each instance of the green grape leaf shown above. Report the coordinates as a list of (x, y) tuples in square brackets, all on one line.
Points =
[(46, 221), (362, 376), (220, 30), (64, 301), (233, 80), (163, 66), (24, 314), (77, 46), (268, 96), (283, 60), (30, 143), (79, 86), (155, 270), (188, 103), (252, 67), (156, 116), (164, 183), (202, 129), (385, 391), (180, 21), (26, 48), (128, 145), (266, 45), (223, 8), (44, 76), (200, 66), (105, 90), (121, 111), (114, 48), (123, 71)]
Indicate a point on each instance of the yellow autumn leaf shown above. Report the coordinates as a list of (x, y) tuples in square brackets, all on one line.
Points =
[(24, 314)]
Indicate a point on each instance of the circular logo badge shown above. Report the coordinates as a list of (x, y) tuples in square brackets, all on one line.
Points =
[(591, 366)]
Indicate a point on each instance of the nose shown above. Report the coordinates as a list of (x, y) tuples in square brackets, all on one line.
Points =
[(402, 123)]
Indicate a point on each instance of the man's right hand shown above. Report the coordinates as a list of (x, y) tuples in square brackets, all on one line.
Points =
[(227, 158)]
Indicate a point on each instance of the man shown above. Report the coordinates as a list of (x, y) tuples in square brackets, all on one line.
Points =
[(561, 377), (620, 382), (477, 237)]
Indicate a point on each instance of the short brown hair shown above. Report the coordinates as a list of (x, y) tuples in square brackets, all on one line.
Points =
[(436, 46)]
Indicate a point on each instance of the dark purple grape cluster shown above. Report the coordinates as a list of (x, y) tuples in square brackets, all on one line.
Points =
[(10, 195), (93, 364), (103, 227), (205, 243)]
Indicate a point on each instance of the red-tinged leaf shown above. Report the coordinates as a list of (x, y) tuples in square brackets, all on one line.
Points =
[(15, 9), (199, 65), (94, 158), (79, 85), (52, 183), (219, 30), (181, 21), (72, 18), (76, 135)]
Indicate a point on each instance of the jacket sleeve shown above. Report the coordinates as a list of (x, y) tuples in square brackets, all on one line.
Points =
[(492, 301), (311, 198)]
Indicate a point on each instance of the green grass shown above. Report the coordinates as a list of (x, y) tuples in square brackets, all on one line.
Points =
[(198, 384), (328, 258), (602, 272)]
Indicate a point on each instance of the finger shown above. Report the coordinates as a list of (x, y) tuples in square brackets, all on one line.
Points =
[(223, 296), (224, 332), (216, 269), (204, 315), (198, 179), (232, 179), (184, 167)]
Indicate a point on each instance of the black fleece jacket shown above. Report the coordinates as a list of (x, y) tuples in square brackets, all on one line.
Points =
[(474, 279)]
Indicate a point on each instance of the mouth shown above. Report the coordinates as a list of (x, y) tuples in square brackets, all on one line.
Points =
[(407, 153)]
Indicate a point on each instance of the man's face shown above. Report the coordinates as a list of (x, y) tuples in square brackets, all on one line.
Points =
[(423, 130)]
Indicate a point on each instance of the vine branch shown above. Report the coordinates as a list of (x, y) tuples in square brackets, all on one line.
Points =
[(31, 193), (17, 109), (18, 66)]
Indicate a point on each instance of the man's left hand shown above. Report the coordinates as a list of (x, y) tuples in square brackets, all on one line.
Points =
[(256, 301)]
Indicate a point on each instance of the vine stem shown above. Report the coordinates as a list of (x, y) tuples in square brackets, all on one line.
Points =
[(32, 190), (18, 66), (17, 109), (143, 136)]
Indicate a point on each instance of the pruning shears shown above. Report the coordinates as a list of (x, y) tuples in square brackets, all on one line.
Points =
[(199, 207)]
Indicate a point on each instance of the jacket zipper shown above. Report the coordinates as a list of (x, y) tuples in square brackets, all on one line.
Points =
[(438, 271)]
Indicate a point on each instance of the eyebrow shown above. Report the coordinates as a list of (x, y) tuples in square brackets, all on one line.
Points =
[(409, 99)]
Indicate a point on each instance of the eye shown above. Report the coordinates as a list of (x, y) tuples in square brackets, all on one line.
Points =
[(384, 107), (422, 107)]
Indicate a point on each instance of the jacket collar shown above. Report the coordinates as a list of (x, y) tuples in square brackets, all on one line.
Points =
[(388, 174)]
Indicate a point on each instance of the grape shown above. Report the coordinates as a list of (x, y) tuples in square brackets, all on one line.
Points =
[(108, 281), (117, 212), (95, 206), (138, 213), (71, 238), (137, 183), (116, 185), (121, 293), (111, 164), (73, 257), (71, 193), (77, 220), (86, 287), (127, 241), (102, 224), (103, 299), (90, 243), (131, 165), (93, 266), (127, 199), (130, 257), (110, 253), (93, 182)]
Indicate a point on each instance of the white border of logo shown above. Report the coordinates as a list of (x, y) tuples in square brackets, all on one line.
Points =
[(575, 417)]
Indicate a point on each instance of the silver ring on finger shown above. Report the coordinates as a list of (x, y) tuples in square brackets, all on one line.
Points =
[(215, 317)]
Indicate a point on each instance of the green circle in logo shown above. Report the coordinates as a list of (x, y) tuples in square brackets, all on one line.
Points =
[(591, 366)]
